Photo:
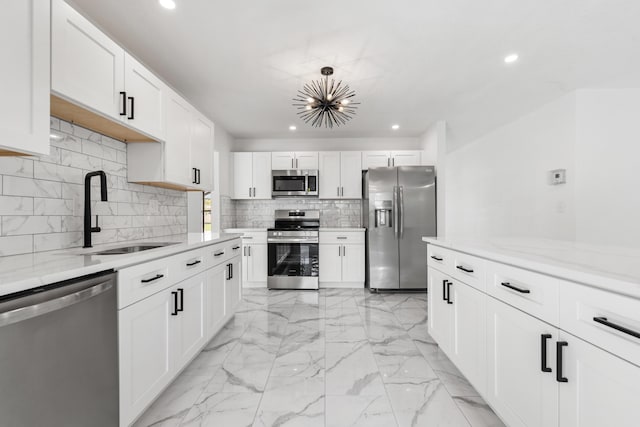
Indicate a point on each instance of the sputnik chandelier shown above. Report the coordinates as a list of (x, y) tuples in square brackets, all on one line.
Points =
[(324, 103)]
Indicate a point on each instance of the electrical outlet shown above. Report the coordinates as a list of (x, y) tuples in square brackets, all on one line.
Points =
[(558, 176)]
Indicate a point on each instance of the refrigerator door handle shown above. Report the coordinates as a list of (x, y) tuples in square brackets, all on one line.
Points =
[(401, 213), (395, 211)]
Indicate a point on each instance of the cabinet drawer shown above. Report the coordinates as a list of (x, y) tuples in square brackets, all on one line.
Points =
[(440, 258), (233, 248), (255, 237), (533, 293), (468, 269), (607, 320), (217, 254), (188, 264), (140, 281), (354, 237)]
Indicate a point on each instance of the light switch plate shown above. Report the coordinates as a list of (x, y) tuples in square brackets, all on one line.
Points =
[(558, 176)]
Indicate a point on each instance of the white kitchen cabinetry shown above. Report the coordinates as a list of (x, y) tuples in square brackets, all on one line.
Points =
[(25, 87), (375, 159), (340, 175), (169, 309), (303, 160), (517, 388), (251, 176), (144, 97), (601, 389), (254, 264), (201, 153), (342, 259)]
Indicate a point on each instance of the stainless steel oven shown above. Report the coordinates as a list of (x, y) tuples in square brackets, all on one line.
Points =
[(294, 183), (293, 248)]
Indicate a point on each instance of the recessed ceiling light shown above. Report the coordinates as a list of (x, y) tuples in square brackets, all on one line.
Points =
[(292, 127), (395, 127), (167, 4), (511, 58)]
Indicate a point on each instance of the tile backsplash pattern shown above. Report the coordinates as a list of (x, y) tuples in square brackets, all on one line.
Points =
[(260, 213), (227, 213), (42, 198)]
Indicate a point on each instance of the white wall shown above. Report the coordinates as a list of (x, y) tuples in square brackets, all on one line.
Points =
[(433, 144), (607, 173), (328, 144), (498, 184)]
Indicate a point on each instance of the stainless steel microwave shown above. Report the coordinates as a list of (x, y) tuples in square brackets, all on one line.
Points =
[(294, 183)]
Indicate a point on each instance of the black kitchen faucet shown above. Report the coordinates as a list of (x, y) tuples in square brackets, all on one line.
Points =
[(87, 204)]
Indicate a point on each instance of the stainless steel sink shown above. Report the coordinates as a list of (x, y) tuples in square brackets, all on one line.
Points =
[(132, 249)]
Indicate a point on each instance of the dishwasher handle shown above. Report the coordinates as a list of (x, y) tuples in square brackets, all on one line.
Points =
[(35, 310)]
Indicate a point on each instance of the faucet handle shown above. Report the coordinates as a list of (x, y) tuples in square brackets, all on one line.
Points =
[(97, 227)]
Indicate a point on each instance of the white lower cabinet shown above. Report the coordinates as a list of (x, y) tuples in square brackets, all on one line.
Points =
[(439, 312), (341, 265), (517, 388), (601, 389), (254, 264), (163, 330)]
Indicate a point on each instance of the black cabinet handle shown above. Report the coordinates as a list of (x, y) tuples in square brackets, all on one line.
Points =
[(466, 270), (152, 279), (195, 176), (124, 103), (199, 182), (175, 303), (191, 264), (235, 248), (230, 271), (543, 352), (181, 292), (131, 113), (515, 288), (449, 292), (604, 321), (559, 377), (219, 254), (436, 258), (444, 290)]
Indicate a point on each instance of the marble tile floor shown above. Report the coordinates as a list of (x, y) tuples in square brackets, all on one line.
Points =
[(331, 358)]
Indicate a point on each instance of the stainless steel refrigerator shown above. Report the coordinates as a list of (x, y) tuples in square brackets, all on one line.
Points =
[(398, 210)]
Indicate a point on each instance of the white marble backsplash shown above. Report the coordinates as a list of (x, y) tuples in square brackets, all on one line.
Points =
[(227, 213), (42, 198), (260, 213)]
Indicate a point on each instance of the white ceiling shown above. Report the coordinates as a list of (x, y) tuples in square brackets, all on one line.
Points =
[(411, 62)]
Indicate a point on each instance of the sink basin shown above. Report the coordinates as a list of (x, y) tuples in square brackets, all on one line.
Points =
[(131, 249)]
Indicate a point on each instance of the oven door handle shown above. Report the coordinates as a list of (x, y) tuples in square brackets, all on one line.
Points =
[(311, 240)]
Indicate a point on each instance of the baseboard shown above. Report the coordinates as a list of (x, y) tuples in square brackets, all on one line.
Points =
[(344, 285)]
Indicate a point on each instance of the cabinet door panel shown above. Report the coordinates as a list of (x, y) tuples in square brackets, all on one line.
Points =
[(329, 172), (375, 159), (24, 110), (202, 150), (469, 333), (351, 174), (215, 297), (242, 175), (146, 364), (233, 289), (257, 264), (86, 65), (405, 158), (306, 160), (283, 161), (330, 263), (353, 263), (601, 389), (262, 175), (148, 93), (517, 389), (439, 310), (191, 320), (178, 140)]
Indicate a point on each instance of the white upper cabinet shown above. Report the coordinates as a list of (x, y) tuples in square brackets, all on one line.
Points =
[(87, 67), (340, 175), (143, 97), (376, 159), (178, 141), (202, 151), (294, 160), (251, 175), (24, 111)]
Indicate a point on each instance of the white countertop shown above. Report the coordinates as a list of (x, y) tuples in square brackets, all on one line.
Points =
[(612, 268), (339, 229), (244, 230), (254, 230), (23, 272)]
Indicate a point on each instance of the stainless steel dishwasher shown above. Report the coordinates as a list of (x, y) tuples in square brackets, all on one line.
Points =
[(59, 355)]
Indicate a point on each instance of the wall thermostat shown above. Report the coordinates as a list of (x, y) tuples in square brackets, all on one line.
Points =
[(558, 176)]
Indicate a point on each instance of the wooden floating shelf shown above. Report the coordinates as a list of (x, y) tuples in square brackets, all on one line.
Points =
[(6, 153), (70, 112)]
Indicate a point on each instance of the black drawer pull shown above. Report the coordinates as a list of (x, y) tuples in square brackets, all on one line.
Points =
[(235, 248), (559, 375), (444, 290), (152, 279), (515, 288), (604, 321), (436, 258), (175, 303), (181, 292), (191, 264), (466, 270), (543, 352), (449, 292), (219, 253)]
